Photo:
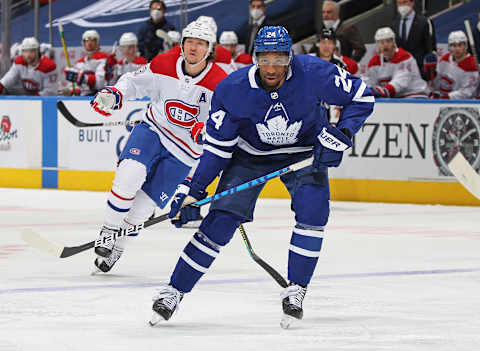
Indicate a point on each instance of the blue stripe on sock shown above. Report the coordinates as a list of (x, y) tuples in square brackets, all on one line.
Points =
[(306, 242), (115, 208), (198, 256)]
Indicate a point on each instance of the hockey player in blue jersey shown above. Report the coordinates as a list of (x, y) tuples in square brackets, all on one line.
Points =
[(263, 118)]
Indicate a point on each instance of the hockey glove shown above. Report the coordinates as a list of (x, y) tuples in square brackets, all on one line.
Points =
[(74, 75), (197, 132), (107, 100), (381, 92), (1, 89), (430, 66), (185, 194), (328, 151)]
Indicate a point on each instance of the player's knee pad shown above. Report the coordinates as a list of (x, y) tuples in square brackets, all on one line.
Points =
[(219, 226), (142, 208), (129, 177), (311, 204)]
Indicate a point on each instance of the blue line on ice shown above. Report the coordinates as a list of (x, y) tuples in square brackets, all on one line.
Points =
[(238, 281)]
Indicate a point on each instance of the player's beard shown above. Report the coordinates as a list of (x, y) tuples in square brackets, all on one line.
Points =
[(270, 86)]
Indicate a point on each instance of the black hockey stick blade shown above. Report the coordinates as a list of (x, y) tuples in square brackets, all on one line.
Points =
[(269, 269), (77, 123), (69, 117)]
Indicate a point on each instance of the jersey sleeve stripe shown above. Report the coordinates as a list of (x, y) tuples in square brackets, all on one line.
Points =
[(212, 140), (217, 152), (359, 95)]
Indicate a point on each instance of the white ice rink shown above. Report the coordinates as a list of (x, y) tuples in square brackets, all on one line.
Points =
[(391, 277)]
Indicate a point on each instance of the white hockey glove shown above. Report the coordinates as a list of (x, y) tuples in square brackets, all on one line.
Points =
[(107, 100)]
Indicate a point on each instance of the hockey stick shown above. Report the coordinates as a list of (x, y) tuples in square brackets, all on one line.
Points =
[(65, 51), (35, 240), (66, 113), (269, 269), (470, 39), (465, 174)]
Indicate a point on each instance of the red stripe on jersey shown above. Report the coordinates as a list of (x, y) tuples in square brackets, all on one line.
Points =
[(400, 56), (213, 77), (165, 64), (173, 136), (374, 61), (99, 55), (222, 55), (468, 64), (20, 61), (120, 197), (46, 65), (245, 59)]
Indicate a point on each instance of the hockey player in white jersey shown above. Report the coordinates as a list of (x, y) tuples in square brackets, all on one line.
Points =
[(88, 72), (229, 40), (393, 72), (30, 73), (130, 62), (162, 149), (263, 118), (457, 71)]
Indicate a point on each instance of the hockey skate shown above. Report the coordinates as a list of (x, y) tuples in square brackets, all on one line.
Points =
[(104, 243), (105, 264), (165, 304), (292, 298)]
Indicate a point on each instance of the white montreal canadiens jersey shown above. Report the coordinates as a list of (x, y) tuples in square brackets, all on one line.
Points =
[(178, 101), (458, 80), (35, 80), (285, 121), (400, 76), (95, 68)]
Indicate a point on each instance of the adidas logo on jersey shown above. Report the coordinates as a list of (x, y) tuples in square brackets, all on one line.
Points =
[(277, 131)]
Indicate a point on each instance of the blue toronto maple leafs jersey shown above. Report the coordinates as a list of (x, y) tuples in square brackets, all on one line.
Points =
[(285, 121)]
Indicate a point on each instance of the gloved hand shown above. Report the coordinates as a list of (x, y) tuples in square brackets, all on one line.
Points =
[(107, 100), (430, 66), (185, 194), (329, 150), (380, 92), (75, 92), (1, 88), (74, 75), (197, 132), (109, 66)]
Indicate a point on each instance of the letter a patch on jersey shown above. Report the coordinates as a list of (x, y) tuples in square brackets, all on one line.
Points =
[(203, 97), (277, 131)]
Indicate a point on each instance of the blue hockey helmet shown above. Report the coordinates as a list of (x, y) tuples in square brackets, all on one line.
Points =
[(273, 39)]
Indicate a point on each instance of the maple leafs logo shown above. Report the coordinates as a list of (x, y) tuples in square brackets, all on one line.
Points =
[(277, 131)]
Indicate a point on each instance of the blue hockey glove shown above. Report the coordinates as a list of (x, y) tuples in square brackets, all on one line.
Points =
[(74, 75), (185, 194), (329, 150)]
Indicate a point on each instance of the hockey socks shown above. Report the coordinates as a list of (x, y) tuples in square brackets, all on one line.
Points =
[(305, 246)]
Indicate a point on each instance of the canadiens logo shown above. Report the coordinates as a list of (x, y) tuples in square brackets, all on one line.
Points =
[(29, 85), (181, 113), (277, 131), (134, 151)]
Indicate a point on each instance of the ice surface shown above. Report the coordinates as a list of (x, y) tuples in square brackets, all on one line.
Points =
[(391, 277)]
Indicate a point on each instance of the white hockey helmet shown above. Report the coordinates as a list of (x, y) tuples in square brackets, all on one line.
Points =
[(209, 21), (128, 38), (174, 36), (199, 30), (384, 33), (91, 34), (30, 43), (457, 36), (228, 38)]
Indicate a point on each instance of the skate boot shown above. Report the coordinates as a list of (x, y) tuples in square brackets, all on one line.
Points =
[(104, 243), (292, 298), (105, 264), (165, 303)]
